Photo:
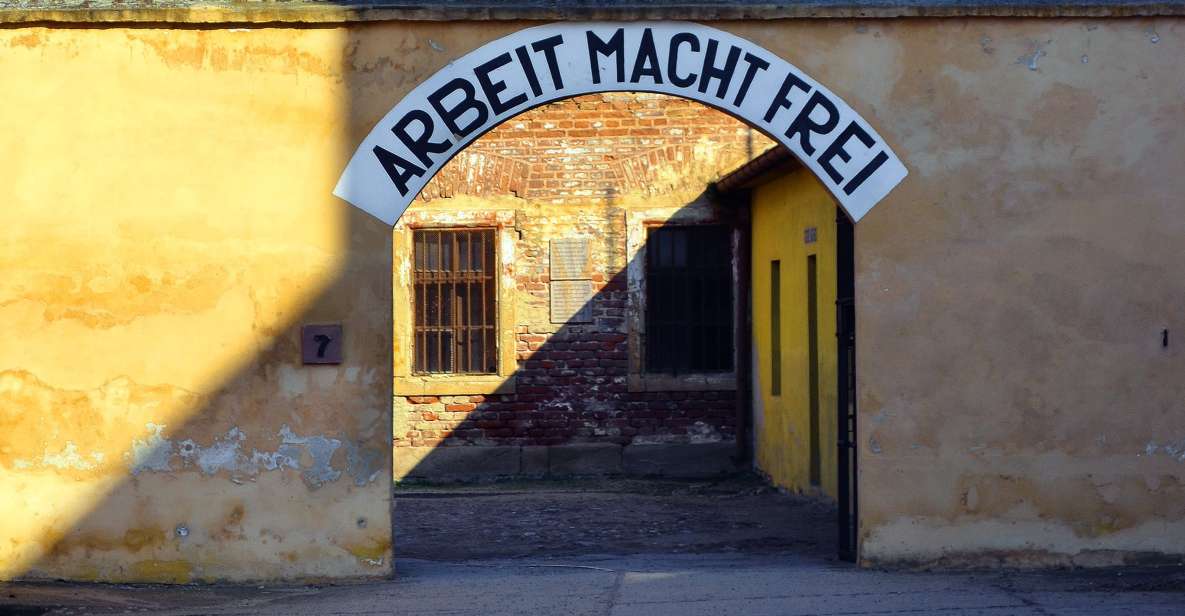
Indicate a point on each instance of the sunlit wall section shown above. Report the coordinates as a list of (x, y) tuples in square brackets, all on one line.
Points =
[(168, 229)]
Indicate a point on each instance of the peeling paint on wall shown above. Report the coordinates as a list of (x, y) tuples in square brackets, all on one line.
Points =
[(65, 459), (311, 455), (320, 450), (1175, 451), (1030, 59), (151, 453)]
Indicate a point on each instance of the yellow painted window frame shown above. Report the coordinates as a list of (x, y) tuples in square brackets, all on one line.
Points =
[(407, 383)]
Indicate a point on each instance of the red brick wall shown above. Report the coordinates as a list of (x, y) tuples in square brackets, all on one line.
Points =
[(577, 166), (597, 146)]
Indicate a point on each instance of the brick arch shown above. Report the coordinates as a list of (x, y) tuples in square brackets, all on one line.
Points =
[(597, 146), (535, 66)]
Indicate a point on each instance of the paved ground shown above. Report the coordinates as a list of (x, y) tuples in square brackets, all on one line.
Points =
[(653, 585), (555, 519), (633, 548)]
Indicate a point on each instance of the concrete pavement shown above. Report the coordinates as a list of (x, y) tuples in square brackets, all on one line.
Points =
[(657, 585)]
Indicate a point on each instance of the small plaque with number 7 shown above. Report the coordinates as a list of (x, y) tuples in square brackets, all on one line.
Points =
[(321, 344)]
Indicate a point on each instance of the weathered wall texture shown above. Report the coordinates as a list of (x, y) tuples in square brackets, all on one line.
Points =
[(1015, 398), (168, 227), (168, 223), (783, 208), (600, 168)]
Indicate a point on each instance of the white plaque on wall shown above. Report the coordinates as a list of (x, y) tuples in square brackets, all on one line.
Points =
[(569, 259), (571, 301)]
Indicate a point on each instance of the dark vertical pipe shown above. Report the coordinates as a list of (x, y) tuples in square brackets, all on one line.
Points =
[(845, 332), (743, 326)]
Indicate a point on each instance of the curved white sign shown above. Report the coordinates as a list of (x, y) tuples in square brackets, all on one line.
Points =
[(538, 65)]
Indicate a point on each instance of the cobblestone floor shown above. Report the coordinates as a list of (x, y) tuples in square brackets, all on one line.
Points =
[(554, 519)]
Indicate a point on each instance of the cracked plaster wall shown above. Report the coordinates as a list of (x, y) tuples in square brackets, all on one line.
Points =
[(168, 228), (1016, 402)]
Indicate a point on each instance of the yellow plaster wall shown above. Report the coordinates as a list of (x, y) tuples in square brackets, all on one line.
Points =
[(782, 209), (168, 223), (167, 227)]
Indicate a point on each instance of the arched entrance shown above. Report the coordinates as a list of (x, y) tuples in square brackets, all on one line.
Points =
[(514, 74)]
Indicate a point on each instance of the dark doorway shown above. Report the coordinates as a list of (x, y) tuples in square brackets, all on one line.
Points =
[(845, 331)]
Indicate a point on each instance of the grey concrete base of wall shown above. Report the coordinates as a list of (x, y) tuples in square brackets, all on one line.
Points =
[(674, 460)]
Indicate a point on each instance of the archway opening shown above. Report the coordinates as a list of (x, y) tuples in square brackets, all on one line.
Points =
[(533, 67), (583, 306)]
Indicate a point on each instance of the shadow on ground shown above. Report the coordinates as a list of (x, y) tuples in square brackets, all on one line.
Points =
[(558, 518)]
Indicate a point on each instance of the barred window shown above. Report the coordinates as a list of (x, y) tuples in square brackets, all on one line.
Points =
[(455, 301), (689, 299)]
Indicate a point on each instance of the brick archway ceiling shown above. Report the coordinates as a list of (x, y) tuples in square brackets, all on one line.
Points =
[(599, 146)]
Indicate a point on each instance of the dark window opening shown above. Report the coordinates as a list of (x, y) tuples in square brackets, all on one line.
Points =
[(775, 327), (689, 299), (812, 320), (455, 301)]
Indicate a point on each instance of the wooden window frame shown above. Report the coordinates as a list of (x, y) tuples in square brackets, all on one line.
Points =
[(466, 293), (637, 224), (406, 381)]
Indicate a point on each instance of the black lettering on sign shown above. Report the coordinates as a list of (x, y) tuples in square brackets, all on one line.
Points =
[(493, 90), (723, 73), (421, 146), (467, 103), (782, 99), (398, 169), (524, 60), (755, 64), (803, 125), (547, 46), (677, 41), (646, 64), (874, 164), (839, 148), (615, 46)]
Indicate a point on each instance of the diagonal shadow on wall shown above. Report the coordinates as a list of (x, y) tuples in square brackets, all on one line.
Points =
[(582, 402)]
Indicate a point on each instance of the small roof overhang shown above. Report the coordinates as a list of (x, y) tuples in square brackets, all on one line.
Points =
[(771, 163)]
